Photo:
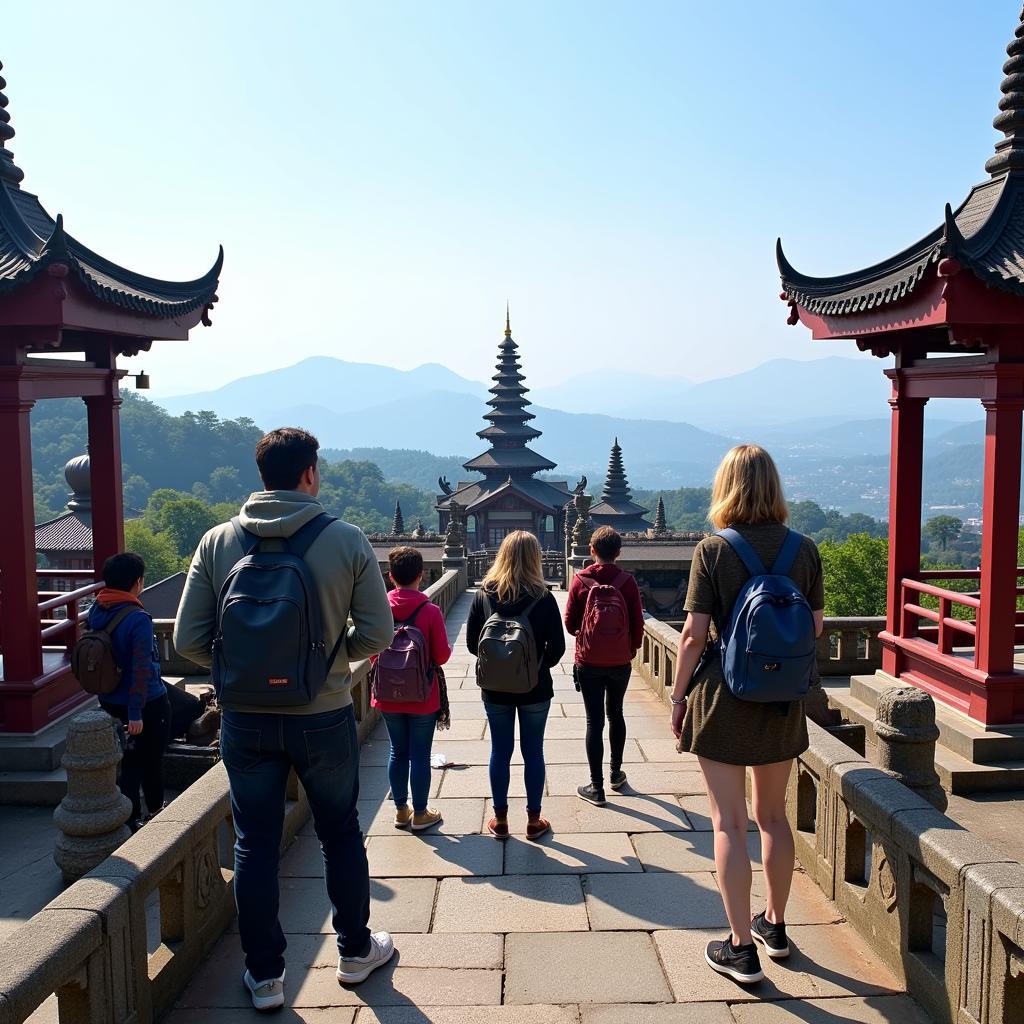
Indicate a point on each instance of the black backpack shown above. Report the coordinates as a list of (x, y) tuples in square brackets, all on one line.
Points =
[(269, 648), (507, 660)]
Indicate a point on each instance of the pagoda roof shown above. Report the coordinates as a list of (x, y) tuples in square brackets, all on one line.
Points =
[(620, 508), (549, 495), (71, 532), (518, 459), (984, 234), (32, 241)]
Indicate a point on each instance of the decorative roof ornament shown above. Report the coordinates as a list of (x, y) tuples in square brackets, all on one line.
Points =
[(78, 475), (398, 523), (445, 484), (508, 322), (1009, 155), (616, 486), (9, 171), (660, 525)]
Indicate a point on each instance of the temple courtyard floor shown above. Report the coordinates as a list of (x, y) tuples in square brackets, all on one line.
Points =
[(603, 921)]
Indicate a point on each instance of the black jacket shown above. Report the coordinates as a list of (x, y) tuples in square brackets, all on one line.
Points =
[(546, 622)]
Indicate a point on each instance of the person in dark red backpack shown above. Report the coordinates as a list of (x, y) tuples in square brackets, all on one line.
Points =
[(408, 670), (605, 614)]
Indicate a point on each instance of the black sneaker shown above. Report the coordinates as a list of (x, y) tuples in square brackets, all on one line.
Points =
[(771, 936), (617, 779), (741, 963), (592, 795)]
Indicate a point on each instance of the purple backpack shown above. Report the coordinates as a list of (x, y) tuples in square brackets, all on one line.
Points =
[(402, 672)]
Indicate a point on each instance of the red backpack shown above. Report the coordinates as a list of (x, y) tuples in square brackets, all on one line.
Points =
[(603, 639)]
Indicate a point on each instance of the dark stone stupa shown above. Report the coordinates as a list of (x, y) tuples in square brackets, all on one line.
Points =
[(616, 507)]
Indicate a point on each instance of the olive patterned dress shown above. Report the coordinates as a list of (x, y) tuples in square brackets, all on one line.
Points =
[(718, 725)]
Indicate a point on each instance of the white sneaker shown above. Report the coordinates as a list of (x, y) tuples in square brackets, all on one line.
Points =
[(266, 995), (353, 969)]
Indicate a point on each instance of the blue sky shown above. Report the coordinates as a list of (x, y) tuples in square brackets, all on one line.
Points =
[(383, 176)]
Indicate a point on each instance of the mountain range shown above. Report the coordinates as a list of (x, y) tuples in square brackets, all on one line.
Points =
[(825, 420)]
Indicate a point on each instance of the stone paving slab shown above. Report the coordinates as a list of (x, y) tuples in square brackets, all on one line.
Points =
[(806, 903), (840, 967), (620, 814), (469, 1015), (654, 779), (396, 905), (394, 985), (374, 784), (588, 968), (648, 902), (869, 1010), (659, 1013), (512, 903), (571, 854), (460, 817), (486, 952), (475, 782), (289, 1015), (556, 752), (433, 856), (686, 851), (698, 813)]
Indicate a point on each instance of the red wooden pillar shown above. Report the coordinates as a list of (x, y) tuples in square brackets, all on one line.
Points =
[(105, 474), (906, 455), (22, 648), (999, 517)]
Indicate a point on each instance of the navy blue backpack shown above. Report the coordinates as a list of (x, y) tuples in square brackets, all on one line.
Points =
[(768, 648), (269, 648)]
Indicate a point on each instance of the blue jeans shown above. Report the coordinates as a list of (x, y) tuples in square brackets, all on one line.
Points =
[(411, 739), (532, 720), (258, 751)]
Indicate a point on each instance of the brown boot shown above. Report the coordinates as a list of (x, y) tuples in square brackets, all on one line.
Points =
[(498, 825), (537, 826)]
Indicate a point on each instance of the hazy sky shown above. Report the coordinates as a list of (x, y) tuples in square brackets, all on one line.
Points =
[(384, 176)]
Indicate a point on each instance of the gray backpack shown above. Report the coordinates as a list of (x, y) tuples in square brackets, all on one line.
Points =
[(506, 655)]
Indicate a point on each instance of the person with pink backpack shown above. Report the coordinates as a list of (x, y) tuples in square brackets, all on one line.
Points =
[(605, 614), (405, 688)]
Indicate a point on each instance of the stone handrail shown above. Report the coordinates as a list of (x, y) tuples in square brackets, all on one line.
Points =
[(89, 945), (943, 909), (849, 645)]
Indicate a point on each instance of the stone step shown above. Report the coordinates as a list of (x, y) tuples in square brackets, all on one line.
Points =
[(956, 732), (42, 789), (959, 776)]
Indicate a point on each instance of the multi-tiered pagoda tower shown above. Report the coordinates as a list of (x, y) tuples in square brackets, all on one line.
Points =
[(617, 508), (509, 497)]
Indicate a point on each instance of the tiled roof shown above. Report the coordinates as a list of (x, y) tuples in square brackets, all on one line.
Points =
[(549, 494), (71, 531), (30, 241), (161, 600)]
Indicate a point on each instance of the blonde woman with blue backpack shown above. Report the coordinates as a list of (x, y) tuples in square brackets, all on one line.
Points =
[(746, 658)]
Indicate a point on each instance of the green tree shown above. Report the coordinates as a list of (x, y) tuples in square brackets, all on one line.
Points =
[(855, 575), (184, 521), (943, 529), (225, 484), (807, 517), (136, 491), (156, 550)]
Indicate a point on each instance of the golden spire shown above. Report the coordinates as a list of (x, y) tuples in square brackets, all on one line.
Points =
[(508, 325)]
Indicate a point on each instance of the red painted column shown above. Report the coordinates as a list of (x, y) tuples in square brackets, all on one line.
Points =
[(105, 474), (999, 513), (906, 456), (19, 612)]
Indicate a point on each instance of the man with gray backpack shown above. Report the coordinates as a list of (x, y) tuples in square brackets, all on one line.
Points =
[(267, 605)]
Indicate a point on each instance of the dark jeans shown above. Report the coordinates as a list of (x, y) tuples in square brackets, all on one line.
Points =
[(185, 709), (258, 751), (409, 762), (601, 687), (532, 720), (143, 761)]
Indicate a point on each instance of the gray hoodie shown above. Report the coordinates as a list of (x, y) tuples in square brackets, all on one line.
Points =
[(347, 576)]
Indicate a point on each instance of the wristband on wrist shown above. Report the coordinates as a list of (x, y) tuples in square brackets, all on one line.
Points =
[(677, 703)]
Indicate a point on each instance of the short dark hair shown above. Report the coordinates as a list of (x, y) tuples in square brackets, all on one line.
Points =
[(283, 455), (606, 542), (123, 570), (405, 564)]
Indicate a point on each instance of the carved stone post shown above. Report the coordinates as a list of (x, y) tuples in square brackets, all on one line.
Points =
[(454, 553), (91, 817), (581, 532), (906, 732)]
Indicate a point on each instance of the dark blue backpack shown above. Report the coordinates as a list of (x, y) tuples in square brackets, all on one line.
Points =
[(268, 648), (768, 648)]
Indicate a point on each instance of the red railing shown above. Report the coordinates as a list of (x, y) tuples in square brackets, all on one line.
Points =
[(65, 628), (946, 629)]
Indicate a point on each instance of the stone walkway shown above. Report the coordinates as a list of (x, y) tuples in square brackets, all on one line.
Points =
[(605, 921)]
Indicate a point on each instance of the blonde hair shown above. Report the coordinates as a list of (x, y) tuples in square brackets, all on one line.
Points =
[(516, 569), (747, 489)]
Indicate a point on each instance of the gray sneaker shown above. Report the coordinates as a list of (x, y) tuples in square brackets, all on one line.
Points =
[(354, 969), (265, 995)]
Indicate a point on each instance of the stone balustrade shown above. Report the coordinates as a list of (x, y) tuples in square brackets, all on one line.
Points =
[(943, 909), (849, 645), (89, 947)]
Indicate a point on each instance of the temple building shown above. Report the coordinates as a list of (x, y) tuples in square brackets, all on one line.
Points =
[(509, 497), (616, 507)]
